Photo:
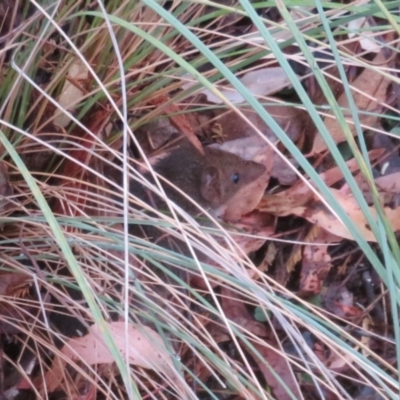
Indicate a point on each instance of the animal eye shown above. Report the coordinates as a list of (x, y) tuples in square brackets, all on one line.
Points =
[(235, 178)]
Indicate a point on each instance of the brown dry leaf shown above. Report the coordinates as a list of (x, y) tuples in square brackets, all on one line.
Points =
[(340, 361), (259, 225), (279, 364), (389, 183), (340, 301), (236, 311), (290, 119), (310, 284), (283, 171), (72, 91), (13, 285), (366, 39), (316, 262), (318, 214), (282, 204), (269, 257), (369, 92), (386, 185), (261, 82), (334, 175), (146, 350), (12, 282)]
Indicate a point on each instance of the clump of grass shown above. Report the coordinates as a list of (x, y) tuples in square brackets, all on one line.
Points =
[(69, 233)]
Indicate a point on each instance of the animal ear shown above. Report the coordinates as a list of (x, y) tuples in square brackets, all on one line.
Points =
[(211, 185)]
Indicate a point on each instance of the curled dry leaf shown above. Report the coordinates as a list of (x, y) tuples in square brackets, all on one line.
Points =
[(292, 120), (367, 41), (71, 92), (146, 350), (340, 362), (317, 213), (262, 82), (369, 93), (301, 201), (388, 188), (282, 204), (284, 170)]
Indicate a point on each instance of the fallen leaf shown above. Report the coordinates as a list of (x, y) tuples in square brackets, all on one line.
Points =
[(146, 350), (339, 361), (282, 203), (71, 92), (388, 183), (340, 301), (369, 93), (155, 133), (275, 361), (236, 311), (233, 126), (367, 39), (316, 261), (261, 82), (317, 213), (260, 226), (284, 170), (14, 286)]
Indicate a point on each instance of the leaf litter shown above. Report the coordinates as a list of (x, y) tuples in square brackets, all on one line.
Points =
[(313, 256)]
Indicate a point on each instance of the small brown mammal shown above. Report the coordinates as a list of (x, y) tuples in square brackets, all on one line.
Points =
[(211, 180)]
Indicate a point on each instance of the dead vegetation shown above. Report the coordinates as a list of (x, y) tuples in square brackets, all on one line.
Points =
[(285, 287)]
